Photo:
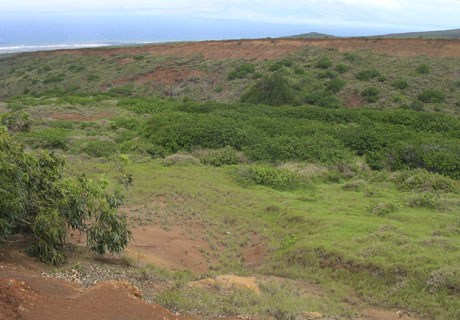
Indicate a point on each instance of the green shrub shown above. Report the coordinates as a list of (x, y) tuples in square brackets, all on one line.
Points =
[(349, 56), (242, 71), (417, 105), (298, 70), (423, 69), (16, 122), (270, 90), (423, 200), (93, 77), (323, 99), (327, 74), (323, 63), (431, 96), (63, 124), (335, 85), (366, 75), (53, 79), (400, 84), (423, 180), (139, 57), (371, 94), (382, 208), (126, 123), (219, 157), (382, 78), (49, 138), (280, 179), (180, 159), (99, 148), (342, 68)]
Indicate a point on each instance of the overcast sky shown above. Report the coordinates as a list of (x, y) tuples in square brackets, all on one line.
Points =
[(275, 17)]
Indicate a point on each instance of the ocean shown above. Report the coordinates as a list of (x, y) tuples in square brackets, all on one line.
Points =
[(33, 32)]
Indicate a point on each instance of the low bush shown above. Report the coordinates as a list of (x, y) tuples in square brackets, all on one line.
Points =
[(400, 84), (93, 77), (366, 75), (335, 85), (371, 94), (327, 74), (54, 138), (423, 180), (242, 71), (423, 69), (383, 208), (219, 157), (99, 148), (323, 63), (180, 159), (16, 122), (423, 200), (270, 90), (342, 68), (432, 95), (276, 178)]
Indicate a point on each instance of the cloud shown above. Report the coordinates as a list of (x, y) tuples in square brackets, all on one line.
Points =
[(406, 14)]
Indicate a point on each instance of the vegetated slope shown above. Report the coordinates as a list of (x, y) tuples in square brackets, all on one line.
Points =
[(291, 181), (447, 34), (316, 72)]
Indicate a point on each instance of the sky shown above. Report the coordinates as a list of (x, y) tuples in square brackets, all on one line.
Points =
[(54, 21)]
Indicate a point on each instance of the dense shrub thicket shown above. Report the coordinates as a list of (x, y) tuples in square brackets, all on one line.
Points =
[(394, 139), (35, 200)]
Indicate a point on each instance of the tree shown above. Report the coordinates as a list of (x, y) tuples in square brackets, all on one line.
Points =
[(35, 200)]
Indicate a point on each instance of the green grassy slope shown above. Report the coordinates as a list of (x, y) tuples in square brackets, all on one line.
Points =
[(388, 238)]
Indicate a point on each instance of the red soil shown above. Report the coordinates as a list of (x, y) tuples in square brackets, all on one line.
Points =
[(262, 49)]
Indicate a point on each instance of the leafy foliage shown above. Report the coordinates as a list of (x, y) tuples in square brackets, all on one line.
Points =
[(242, 71), (270, 90), (367, 75), (432, 95), (35, 200)]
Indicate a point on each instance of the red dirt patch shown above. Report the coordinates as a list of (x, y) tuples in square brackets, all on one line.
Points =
[(3, 98), (170, 249), (353, 101), (254, 256), (79, 117), (272, 49), (24, 295)]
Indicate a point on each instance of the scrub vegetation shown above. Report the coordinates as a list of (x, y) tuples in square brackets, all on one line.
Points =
[(343, 167)]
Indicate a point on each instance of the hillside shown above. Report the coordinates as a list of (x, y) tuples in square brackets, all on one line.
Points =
[(274, 179), (400, 70), (446, 34), (309, 35)]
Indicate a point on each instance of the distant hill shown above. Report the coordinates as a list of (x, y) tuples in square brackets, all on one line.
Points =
[(310, 35), (450, 34)]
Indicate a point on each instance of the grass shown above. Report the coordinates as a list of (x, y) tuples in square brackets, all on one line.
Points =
[(338, 244)]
